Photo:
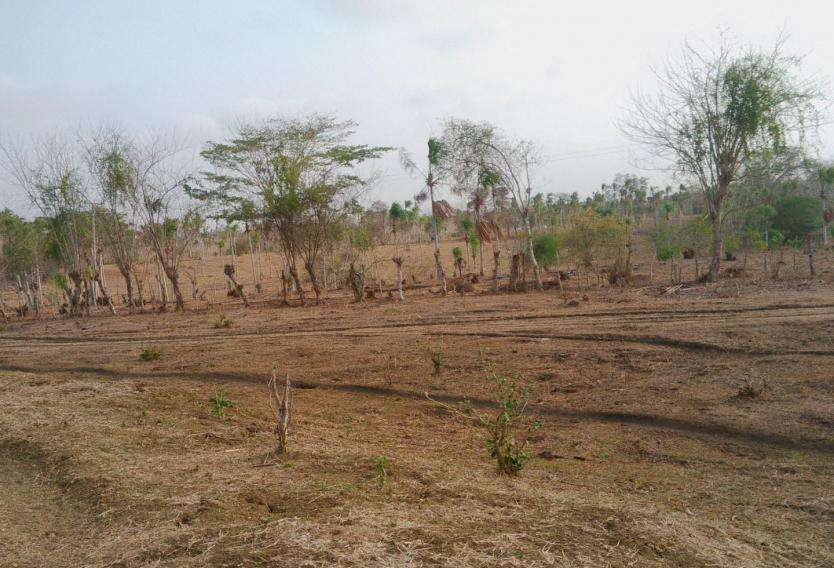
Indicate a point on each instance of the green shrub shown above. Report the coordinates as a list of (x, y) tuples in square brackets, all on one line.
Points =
[(219, 404), (546, 249), (507, 429), (381, 464), (797, 216), (150, 354)]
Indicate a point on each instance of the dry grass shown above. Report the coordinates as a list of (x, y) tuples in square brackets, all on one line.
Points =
[(647, 456)]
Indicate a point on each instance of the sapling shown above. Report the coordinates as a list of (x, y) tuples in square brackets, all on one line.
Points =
[(381, 464), (507, 428), (150, 354), (435, 355), (220, 403)]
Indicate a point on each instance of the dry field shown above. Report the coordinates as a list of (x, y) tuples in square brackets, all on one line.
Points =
[(650, 453)]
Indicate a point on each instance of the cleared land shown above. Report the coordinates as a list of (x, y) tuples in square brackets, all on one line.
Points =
[(650, 454)]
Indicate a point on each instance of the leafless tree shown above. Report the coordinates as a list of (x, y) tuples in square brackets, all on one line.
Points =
[(475, 147), (48, 170), (170, 221)]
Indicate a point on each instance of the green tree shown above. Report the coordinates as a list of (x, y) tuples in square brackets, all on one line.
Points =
[(546, 248), (300, 175), (798, 216), (724, 114)]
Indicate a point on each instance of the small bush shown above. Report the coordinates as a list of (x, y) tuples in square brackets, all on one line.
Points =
[(150, 354), (223, 322), (435, 355), (508, 429), (381, 464), (750, 388), (546, 247), (219, 404)]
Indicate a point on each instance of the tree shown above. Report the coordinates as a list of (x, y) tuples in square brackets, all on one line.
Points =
[(457, 255), (721, 115), (798, 216), (440, 210), (171, 223), (547, 249), (399, 216), (476, 146), (117, 168), (49, 173), (299, 174), (826, 181), (22, 246)]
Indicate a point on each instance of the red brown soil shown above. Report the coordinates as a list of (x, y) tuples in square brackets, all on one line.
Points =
[(648, 455)]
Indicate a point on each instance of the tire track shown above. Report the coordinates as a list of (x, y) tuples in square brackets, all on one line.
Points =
[(654, 421), (446, 320)]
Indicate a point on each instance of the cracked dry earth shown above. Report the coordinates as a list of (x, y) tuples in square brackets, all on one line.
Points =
[(694, 430)]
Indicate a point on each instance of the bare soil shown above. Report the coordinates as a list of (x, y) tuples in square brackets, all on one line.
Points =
[(651, 454)]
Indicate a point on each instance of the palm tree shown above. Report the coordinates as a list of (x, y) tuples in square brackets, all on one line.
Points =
[(440, 209)]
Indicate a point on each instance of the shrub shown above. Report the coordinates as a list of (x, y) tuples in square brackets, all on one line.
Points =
[(546, 248), (381, 464), (508, 428), (150, 354), (750, 388), (223, 322), (594, 237), (219, 404), (797, 216), (435, 355)]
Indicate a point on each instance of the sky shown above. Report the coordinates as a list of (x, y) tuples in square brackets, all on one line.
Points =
[(557, 73)]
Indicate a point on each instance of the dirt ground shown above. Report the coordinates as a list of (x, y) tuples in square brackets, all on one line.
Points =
[(650, 453)]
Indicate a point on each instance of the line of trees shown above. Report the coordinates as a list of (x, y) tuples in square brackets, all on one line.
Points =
[(734, 123)]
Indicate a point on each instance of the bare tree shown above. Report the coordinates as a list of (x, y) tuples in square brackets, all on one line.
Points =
[(48, 171), (473, 147), (721, 111), (281, 405), (171, 223)]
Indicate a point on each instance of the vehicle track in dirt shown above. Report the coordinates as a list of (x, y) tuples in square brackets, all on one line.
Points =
[(712, 429), (647, 317)]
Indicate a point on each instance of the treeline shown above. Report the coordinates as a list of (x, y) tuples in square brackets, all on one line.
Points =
[(734, 123)]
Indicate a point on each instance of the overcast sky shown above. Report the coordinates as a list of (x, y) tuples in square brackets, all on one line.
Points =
[(555, 72)]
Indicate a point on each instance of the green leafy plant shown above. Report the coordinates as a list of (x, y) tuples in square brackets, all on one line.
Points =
[(507, 428), (219, 404), (150, 354), (546, 249), (223, 322), (381, 464)]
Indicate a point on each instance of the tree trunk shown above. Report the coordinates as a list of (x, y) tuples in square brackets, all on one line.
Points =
[(496, 266), (139, 292), (128, 290), (441, 275), (284, 287), (291, 265), (356, 279), (717, 241), (532, 255), (399, 263), (174, 277), (311, 271)]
